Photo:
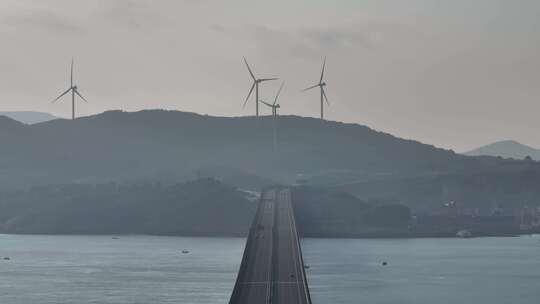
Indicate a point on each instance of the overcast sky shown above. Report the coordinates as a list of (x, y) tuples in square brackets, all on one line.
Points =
[(454, 73)]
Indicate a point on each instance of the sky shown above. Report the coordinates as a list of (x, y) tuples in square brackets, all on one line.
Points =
[(453, 73)]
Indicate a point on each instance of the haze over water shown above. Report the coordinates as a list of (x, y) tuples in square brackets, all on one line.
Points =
[(149, 269)]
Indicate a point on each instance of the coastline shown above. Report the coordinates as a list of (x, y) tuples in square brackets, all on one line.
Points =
[(321, 235)]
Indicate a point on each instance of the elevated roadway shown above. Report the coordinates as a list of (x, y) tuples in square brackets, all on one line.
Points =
[(272, 269)]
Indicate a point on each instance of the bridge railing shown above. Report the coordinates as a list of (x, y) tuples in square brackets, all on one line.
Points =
[(306, 289)]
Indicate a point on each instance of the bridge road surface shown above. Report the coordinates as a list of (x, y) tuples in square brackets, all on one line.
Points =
[(272, 269)]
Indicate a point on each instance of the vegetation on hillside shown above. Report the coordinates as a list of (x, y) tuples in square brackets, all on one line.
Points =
[(324, 213), (202, 207)]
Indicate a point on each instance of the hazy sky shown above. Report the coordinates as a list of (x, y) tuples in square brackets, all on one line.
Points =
[(454, 73)]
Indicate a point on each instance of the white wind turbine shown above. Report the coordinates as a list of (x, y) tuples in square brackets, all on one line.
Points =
[(255, 85), (74, 91), (321, 85), (274, 106)]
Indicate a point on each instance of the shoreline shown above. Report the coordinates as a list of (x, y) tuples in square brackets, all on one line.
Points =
[(308, 236)]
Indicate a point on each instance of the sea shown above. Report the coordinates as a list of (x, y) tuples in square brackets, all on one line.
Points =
[(153, 269)]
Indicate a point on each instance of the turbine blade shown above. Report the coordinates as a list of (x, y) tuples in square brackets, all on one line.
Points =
[(61, 95), (322, 72), (72, 61), (266, 103), (312, 87), (325, 98), (249, 69), (249, 94), (77, 92), (267, 79), (278, 92)]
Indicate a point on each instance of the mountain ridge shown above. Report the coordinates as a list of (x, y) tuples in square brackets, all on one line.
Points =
[(506, 149), (174, 146), (29, 117)]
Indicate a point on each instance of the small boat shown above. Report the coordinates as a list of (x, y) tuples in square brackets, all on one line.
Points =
[(185, 251), (306, 266), (115, 238), (6, 259), (464, 234), (384, 263)]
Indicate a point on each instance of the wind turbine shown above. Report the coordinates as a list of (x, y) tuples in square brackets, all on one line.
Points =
[(74, 91), (274, 107), (321, 85), (255, 86)]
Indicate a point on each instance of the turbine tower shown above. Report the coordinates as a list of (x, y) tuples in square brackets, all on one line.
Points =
[(321, 85), (274, 107), (74, 91), (255, 86)]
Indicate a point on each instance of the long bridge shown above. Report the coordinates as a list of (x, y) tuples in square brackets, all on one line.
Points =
[(272, 269)]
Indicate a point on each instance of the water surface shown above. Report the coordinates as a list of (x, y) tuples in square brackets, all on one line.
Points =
[(480, 270), (150, 269)]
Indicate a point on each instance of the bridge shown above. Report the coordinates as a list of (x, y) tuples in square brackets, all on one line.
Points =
[(272, 269)]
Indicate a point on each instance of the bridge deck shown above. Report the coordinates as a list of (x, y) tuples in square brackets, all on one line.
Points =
[(272, 269)]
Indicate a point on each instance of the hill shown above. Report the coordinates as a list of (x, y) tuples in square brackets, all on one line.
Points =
[(175, 145), (9, 124), (203, 207), (172, 147), (479, 193), (323, 213), (29, 117), (506, 149)]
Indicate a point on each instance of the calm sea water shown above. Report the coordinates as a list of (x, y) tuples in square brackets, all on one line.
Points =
[(148, 269)]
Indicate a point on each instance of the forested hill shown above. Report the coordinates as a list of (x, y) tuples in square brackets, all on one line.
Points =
[(203, 207), (119, 145)]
